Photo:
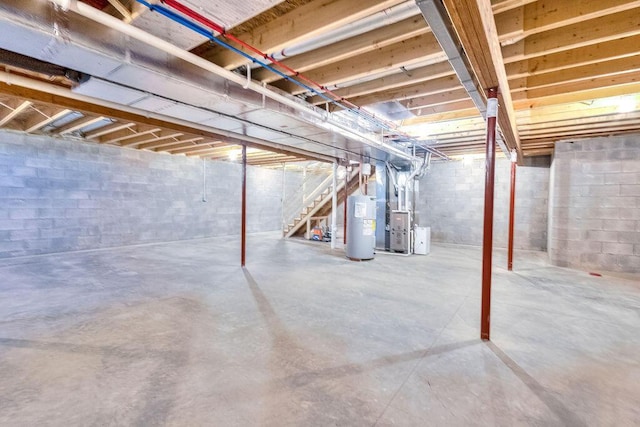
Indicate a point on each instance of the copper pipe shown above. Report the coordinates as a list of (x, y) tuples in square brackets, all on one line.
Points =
[(512, 208), (487, 240), (243, 221)]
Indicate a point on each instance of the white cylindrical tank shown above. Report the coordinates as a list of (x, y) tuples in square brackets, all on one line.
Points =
[(361, 227)]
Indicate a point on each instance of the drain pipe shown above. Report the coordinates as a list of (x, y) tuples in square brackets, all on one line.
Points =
[(96, 15)]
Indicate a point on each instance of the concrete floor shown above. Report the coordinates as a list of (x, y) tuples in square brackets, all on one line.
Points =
[(178, 334)]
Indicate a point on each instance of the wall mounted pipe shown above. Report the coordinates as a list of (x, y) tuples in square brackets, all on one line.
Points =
[(102, 18)]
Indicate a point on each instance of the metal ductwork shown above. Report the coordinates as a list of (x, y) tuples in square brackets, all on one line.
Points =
[(133, 68), (437, 18)]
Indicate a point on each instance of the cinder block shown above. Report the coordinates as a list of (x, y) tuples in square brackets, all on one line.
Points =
[(23, 213), (630, 190), (624, 154), (629, 263), (632, 237), (617, 248), (602, 236)]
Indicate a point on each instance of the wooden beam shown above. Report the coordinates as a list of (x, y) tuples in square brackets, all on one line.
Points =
[(163, 145), (14, 112), (585, 72), (450, 96), (586, 33), (43, 117), (335, 52), (400, 79), (126, 13), (105, 130), (301, 23), (429, 87), (420, 49), (475, 25), (123, 135), (451, 111), (153, 137), (275, 161), (77, 124), (586, 55), (55, 99), (196, 147), (546, 15), (502, 6), (522, 102), (566, 88)]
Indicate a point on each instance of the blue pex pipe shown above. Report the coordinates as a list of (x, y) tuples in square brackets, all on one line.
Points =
[(209, 34)]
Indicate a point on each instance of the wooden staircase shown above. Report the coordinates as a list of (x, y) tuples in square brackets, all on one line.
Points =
[(319, 205)]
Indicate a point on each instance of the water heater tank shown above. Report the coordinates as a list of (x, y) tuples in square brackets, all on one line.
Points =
[(361, 227)]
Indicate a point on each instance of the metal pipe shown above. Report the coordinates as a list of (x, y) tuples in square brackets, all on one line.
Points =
[(346, 195), (372, 22), (204, 180), (487, 240), (300, 79), (334, 204), (284, 193), (512, 208), (243, 220), (395, 184), (414, 173), (100, 17)]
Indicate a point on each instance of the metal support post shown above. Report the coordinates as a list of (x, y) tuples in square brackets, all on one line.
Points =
[(334, 204), (346, 195), (512, 208), (243, 221), (487, 240)]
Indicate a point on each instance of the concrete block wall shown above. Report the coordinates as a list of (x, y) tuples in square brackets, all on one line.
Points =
[(58, 195), (451, 202), (595, 204)]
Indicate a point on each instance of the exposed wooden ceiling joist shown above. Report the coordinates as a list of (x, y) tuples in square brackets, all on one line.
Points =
[(298, 25), (350, 47), (475, 25)]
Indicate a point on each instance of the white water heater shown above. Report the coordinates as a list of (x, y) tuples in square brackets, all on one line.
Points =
[(361, 227)]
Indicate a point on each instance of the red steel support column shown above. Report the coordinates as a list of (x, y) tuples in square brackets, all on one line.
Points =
[(243, 223), (512, 207), (487, 240)]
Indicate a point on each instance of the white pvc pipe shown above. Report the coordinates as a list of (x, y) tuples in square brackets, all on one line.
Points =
[(385, 17), (94, 14)]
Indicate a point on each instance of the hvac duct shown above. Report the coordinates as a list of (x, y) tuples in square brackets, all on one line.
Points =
[(316, 117)]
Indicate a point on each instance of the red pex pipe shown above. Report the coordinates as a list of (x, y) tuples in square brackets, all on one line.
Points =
[(220, 29)]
